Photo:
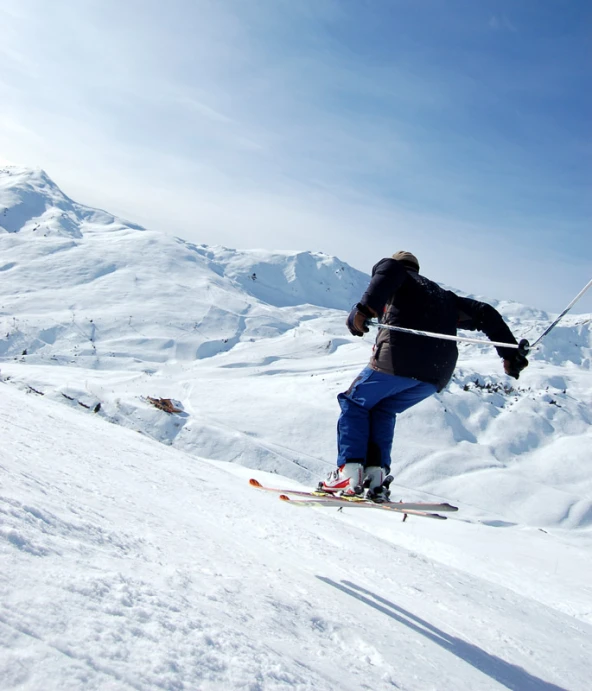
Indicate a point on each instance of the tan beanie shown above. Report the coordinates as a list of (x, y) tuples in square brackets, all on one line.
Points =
[(407, 258)]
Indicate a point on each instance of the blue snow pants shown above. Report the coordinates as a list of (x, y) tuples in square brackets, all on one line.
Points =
[(369, 410)]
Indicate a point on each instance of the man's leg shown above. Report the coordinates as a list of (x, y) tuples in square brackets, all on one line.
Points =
[(405, 393), (353, 429), (354, 424)]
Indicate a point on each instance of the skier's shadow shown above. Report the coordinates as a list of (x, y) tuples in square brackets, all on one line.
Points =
[(509, 675)]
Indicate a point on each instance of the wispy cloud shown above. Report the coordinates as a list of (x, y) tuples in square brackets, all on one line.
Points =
[(502, 23)]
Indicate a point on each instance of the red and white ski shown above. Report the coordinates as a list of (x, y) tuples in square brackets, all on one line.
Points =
[(321, 498)]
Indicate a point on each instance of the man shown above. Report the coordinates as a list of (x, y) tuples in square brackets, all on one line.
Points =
[(404, 368)]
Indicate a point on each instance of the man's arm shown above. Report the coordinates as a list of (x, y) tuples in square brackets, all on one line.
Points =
[(387, 276), (479, 316)]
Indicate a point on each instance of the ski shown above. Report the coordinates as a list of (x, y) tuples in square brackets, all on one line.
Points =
[(328, 499), (362, 503), (295, 492)]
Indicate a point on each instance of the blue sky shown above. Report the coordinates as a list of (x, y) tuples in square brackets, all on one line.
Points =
[(457, 129)]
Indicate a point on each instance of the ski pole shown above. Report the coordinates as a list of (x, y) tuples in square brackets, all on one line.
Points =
[(565, 311), (448, 337)]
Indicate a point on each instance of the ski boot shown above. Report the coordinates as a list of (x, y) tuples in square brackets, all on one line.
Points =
[(376, 484), (345, 480)]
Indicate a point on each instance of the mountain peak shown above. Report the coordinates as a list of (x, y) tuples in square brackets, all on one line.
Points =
[(31, 202)]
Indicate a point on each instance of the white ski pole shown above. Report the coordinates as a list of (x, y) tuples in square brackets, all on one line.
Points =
[(565, 311), (445, 337)]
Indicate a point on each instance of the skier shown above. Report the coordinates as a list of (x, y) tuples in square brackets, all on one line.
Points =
[(404, 368)]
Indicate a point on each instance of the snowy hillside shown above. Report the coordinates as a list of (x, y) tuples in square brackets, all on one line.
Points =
[(130, 565)]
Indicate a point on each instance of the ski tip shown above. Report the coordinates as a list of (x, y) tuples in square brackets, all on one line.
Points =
[(284, 497), (254, 483), (449, 507)]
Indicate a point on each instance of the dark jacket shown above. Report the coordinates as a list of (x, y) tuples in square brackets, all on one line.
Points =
[(402, 297)]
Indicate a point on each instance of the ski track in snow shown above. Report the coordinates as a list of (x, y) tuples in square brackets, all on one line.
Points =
[(132, 564)]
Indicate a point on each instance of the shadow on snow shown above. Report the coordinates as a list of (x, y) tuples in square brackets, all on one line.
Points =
[(509, 675)]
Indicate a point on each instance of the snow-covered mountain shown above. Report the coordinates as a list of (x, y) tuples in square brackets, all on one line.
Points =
[(134, 566), (80, 283), (251, 344)]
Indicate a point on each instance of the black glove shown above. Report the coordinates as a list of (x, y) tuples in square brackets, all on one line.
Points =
[(356, 321), (515, 364)]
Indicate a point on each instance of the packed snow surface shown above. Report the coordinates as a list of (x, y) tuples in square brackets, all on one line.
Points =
[(135, 555)]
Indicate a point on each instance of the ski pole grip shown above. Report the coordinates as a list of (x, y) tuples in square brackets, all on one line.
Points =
[(523, 347)]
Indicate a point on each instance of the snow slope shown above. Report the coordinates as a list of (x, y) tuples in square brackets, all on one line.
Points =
[(132, 565)]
